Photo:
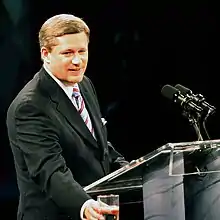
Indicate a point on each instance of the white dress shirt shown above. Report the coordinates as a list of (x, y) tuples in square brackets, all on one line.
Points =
[(67, 89)]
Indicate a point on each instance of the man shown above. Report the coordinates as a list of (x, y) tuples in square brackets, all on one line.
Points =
[(57, 135)]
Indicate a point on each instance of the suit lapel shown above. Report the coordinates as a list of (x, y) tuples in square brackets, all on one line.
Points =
[(93, 110), (66, 108), (95, 117)]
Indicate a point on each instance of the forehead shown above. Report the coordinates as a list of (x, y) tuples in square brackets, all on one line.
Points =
[(72, 41)]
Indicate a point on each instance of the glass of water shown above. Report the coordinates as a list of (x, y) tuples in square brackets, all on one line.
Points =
[(112, 201)]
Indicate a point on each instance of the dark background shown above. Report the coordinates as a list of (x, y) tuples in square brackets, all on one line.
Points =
[(135, 49)]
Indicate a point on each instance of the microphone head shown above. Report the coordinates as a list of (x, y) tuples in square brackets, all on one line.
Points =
[(169, 91), (183, 89)]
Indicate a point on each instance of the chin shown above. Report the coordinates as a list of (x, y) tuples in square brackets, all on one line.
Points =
[(76, 79)]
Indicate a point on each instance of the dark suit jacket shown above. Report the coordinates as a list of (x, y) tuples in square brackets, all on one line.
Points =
[(54, 152)]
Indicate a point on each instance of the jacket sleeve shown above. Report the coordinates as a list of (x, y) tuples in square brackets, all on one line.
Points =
[(117, 160), (38, 139)]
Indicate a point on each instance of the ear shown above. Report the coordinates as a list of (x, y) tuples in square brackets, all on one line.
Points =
[(45, 54)]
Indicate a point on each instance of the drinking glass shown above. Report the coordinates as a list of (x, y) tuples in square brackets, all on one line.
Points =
[(112, 201)]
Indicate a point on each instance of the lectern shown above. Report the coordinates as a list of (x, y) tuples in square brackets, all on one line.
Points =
[(178, 181)]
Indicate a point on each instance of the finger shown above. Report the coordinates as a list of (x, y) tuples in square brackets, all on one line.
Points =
[(103, 208), (93, 218), (102, 204), (91, 213), (96, 206), (90, 218)]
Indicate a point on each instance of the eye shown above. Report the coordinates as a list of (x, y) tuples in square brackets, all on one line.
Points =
[(82, 51), (66, 52)]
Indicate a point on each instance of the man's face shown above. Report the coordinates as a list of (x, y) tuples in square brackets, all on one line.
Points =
[(68, 59)]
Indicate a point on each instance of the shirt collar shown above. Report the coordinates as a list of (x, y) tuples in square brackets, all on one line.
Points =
[(67, 89)]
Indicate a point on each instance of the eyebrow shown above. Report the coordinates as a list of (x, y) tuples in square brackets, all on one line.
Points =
[(74, 49)]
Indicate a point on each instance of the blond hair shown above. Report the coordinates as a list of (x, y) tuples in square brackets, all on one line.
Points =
[(58, 26)]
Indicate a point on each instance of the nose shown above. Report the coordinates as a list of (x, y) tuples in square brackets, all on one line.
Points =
[(76, 60)]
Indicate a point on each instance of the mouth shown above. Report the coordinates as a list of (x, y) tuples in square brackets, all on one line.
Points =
[(76, 71)]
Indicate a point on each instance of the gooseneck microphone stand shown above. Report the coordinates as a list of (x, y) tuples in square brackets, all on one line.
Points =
[(194, 120), (196, 157)]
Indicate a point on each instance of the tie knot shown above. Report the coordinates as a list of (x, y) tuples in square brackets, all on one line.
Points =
[(76, 92)]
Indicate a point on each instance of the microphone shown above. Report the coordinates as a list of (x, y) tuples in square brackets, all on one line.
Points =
[(176, 96), (198, 99)]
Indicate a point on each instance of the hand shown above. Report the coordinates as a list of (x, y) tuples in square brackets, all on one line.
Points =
[(93, 211), (109, 209)]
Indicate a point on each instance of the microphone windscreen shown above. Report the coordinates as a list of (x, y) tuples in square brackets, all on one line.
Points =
[(168, 91)]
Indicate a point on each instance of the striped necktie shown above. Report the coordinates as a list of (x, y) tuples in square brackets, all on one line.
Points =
[(82, 109)]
